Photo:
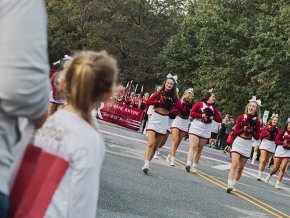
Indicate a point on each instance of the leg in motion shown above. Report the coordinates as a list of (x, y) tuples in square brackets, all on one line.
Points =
[(197, 154), (283, 166), (263, 159), (232, 172), (150, 149), (193, 144), (277, 162)]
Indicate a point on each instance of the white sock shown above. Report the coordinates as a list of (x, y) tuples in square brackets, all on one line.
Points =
[(268, 178), (146, 163), (254, 157), (230, 183), (235, 182), (172, 158), (188, 163), (194, 165), (278, 183), (259, 174)]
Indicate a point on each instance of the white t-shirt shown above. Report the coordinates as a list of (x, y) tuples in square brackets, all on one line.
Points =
[(69, 136)]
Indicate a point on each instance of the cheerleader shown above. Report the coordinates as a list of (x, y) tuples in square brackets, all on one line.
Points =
[(282, 154), (164, 100), (56, 96), (203, 113), (267, 146), (179, 127), (246, 128)]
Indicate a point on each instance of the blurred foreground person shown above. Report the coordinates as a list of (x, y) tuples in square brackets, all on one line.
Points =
[(24, 83), (70, 133)]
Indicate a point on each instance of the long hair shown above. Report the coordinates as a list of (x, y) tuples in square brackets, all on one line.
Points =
[(88, 77), (186, 94), (286, 126), (206, 96), (269, 122), (173, 91), (257, 113)]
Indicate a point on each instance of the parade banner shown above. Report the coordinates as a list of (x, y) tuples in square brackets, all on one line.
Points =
[(121, 114)]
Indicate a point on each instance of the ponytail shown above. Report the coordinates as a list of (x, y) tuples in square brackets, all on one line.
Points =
[(89, 76)]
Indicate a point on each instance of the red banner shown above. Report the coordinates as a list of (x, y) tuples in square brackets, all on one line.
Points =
[(121, 114)]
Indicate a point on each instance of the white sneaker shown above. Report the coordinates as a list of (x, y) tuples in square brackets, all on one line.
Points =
[(156, 156), (168, 158), (194, 168), (145, 169), (230, 189), (158, 152), (277, 186), (259, 178), (267, 180), (172, 161)]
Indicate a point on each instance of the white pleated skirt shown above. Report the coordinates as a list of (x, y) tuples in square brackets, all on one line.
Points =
[(150, 109), (181, 124), (282, 152), (158, 123), (268, 145), (242, 147), (200, 129)]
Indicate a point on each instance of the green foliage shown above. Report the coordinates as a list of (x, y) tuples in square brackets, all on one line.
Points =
[(134, 31), (238, 47)]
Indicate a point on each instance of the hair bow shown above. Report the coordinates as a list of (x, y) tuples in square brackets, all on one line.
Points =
[(169, 76), (67, 57), (57, 62), (210, 90), (274, 115), (288, 120), (190, 90), (254, 99), (177, 90)]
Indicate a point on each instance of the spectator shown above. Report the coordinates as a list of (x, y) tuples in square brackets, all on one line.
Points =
[(24, 84)]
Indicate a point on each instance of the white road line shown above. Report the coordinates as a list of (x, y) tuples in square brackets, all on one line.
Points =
[(222, 167), (168, 148)]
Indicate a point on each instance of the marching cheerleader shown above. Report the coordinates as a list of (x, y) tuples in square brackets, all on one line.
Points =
[(203, 113), (179, 127), (246, 128), (267, 146), (164, 100), (282, 154)]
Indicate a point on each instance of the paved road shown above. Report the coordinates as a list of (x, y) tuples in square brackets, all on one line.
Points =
[(171, 192)]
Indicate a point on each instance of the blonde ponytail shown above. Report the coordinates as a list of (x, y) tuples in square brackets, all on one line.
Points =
[(90, 75)]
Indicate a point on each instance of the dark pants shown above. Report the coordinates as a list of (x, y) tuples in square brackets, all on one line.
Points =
[(223, 140), (3, 205)]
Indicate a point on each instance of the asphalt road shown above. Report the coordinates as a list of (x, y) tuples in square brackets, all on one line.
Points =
[(172, 192)]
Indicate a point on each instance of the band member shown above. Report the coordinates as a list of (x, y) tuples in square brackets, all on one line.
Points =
[(164, 100), (246, 128), (282, 154), (267, 146), (203, 113), (179, 127), (144, 101)]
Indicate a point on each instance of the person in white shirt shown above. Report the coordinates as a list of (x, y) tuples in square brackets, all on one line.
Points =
[(71, 134), (24, 83)]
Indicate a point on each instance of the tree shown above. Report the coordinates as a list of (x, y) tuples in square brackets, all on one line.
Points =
[(134, 31), (240, 48)]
